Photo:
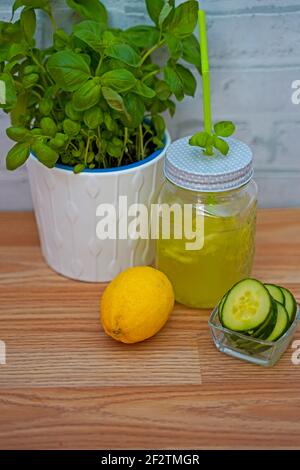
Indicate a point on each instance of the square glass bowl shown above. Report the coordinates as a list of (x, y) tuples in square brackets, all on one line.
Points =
[(257, 351)]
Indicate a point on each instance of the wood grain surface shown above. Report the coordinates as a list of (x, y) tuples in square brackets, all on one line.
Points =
[(66, 385)]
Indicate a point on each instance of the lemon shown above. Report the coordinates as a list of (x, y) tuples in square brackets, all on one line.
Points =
[(136, 304)]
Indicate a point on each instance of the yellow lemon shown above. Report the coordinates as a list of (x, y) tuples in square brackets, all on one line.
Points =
[(136, 304)]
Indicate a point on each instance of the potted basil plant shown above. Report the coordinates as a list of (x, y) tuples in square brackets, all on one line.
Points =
[(86, 116)]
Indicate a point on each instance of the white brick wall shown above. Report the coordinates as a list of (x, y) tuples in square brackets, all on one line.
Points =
[(255, 55)]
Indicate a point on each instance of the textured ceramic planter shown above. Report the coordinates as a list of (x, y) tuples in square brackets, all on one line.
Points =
[(65, 207)]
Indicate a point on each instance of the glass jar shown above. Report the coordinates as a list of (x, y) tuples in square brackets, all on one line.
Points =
[(224, 204)]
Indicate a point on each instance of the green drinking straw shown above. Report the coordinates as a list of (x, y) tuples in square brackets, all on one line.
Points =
[(205, 73)]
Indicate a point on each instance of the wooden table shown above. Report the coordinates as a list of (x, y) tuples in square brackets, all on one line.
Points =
[(67, 385)]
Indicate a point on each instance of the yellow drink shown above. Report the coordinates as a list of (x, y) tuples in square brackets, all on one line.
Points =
[(201, 277)]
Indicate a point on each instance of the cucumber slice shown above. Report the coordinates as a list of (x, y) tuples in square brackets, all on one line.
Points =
[(290, 303), (220, 306), (276, 292), (247, 306), (268, 326), (281, 325)]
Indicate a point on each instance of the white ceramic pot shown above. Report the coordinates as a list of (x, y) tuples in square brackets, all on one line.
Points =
[(65, 207)]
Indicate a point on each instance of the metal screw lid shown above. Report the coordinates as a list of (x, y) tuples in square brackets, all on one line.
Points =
[(187, 166)]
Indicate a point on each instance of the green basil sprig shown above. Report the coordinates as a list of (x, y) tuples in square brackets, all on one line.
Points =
[(210, 141)]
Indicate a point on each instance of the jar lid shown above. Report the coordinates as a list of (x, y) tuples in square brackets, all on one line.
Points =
[(188, 167)]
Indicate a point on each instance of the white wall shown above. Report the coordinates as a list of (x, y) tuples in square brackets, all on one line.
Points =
[(255, 56)]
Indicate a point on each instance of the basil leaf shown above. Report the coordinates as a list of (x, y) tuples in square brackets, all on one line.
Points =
[(72, 113), (61, 40), (45, 106), (78, 168), (159, 125), (224, 128), (162, 89), (118, 79), (113, 99), (191, 51), (68, 69), (71, 128), (90, 32), (171, 106), (188, 80), (184, 19), (48, 126), (16, 51), (118, 142), (19, 110), (29, 69), (91, 9), (165, 12), (28, 23), (109, 122), (143, 90), (221, 145), (114, 150), (18, 134), (93, 117), (58, 141), (175, 46), (17, 155), (123, 53), (154, 8), (110, 38), (135, 111), (4, 49), (45, 154), (174, 82), (87, 95), (142, 36), (200, 139)]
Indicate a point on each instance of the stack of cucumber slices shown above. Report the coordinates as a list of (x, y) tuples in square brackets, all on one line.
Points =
[(262, 311)]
